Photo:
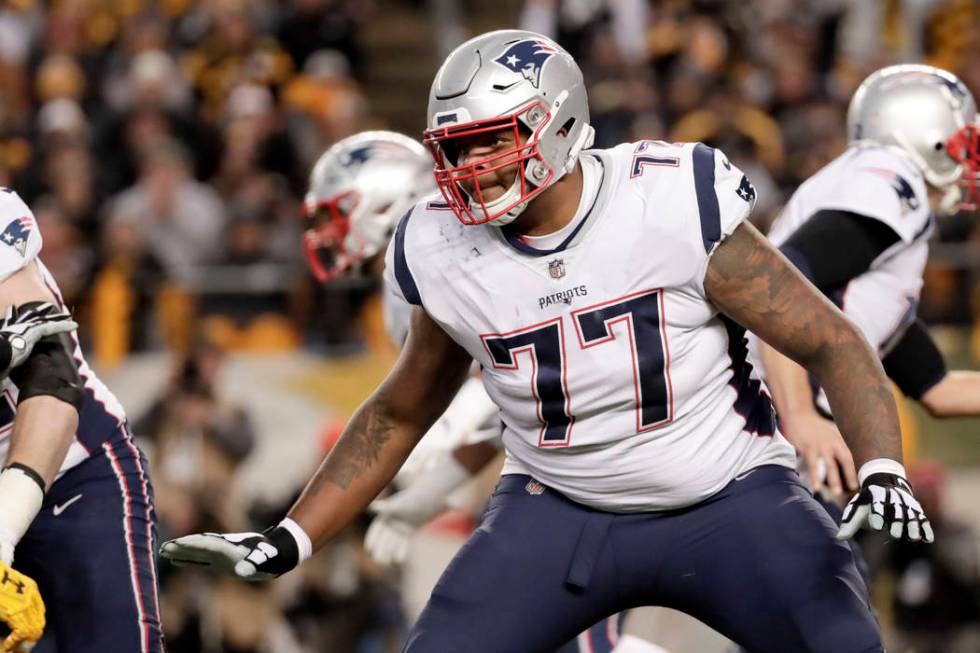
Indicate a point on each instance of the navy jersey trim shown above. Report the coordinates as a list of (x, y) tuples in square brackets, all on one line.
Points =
[(514, 240), (402, 274), (925, 228), (703, 158), (751, 401)]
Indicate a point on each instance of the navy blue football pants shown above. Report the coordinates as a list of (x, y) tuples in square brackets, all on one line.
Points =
[(757, 562), (91, 551)]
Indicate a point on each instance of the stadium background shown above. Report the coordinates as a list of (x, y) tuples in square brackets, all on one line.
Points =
[(164, 146)]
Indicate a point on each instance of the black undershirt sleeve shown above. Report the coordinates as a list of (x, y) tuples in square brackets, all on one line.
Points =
[(915, 364), (833, 247)]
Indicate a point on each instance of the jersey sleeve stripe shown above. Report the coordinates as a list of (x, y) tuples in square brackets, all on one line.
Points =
[(402, 274), (704, 185)]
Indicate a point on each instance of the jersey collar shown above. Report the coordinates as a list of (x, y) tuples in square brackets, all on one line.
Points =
[(521, 245)]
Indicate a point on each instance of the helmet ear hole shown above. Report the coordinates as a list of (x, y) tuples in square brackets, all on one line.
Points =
[(566, 129)]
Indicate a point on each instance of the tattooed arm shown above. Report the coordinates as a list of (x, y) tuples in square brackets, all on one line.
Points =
[(372, 448), (751, 282), (384, 430)]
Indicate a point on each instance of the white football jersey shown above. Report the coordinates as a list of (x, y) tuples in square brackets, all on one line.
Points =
[(101, 414), (397, 314), (882, 184), (471, 416), (619, 384)]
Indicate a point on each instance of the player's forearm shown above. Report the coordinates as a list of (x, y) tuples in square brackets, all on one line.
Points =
[(858, 391), (957, 395), (474, 457), (759, 288), (787, 381), (369, 453), (43, 431)]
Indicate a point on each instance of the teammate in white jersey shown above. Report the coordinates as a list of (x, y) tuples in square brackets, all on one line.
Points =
[(605, 293), (914, 147), (359, 188), (76, 506)]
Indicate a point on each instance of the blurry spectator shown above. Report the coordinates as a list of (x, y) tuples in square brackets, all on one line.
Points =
[(229, 51), (936, 595), (198, 442), (153, 104), (312, 25), (255, 141), (145, 32), (325, 103), (66, 255), (573, 23), (179, 220)]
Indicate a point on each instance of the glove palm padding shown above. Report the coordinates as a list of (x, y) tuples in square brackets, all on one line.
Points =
[(21, 608), (252, 556)]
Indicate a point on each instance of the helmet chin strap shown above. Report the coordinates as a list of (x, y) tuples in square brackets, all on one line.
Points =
[(513, 193), (951, 200)]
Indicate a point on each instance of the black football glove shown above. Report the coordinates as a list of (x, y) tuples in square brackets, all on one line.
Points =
[(252, 556), (885, 502)]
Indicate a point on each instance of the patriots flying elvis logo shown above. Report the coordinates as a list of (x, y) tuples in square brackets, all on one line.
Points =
[(906, 195), (357, 157), (16, 234), (527, 58)]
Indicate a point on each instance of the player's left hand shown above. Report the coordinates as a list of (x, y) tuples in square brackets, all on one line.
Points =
[(885, 499), (23, 327), (823, 450), (21, 608), (399, 516)]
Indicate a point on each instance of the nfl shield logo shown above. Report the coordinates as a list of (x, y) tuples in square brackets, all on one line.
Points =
[(534, 488), (556, 268)]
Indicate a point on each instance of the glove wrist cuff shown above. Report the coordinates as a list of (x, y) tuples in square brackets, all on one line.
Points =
[(304, 546), (880, 466), (6, 354)]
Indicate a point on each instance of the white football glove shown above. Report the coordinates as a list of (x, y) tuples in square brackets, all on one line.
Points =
[(22, 328), (885, 499), (399, 516), (252, 556)]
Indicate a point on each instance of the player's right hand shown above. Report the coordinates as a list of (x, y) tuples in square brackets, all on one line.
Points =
[(252, 556), (396, 520), (827, 458), (22, 329), (21, 608)]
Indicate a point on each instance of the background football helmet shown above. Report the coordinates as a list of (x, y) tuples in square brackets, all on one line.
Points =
[(931, 116), (359, 188), (508, 79)]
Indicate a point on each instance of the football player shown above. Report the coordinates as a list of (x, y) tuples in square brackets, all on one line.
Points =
[(914, 149), (76, 506), (21, 604), (359, 188), (606, 295)]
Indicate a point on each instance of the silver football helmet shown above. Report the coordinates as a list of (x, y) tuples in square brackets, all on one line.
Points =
[(359, 188), (931, 116), (508, 79)]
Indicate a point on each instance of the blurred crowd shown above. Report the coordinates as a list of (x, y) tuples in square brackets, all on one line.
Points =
[(164, 147), (164, 144), (768, 82)]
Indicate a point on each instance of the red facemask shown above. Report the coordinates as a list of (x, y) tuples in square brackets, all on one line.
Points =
[(442, 141), (325, 241), (964, 148)]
